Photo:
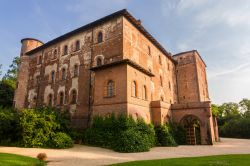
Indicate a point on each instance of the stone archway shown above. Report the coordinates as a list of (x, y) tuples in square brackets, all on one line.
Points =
[(193, 129)]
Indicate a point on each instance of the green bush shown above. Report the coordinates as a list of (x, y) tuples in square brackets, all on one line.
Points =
[(164, 136), (61, 140), (9, 127), (121, 133), (236, 128), (131, 141), (40, 126), (179, 133)]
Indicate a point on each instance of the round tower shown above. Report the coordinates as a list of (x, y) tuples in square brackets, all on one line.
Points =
[(21, 91)]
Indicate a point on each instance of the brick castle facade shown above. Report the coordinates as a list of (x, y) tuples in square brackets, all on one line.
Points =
[(115, 65)]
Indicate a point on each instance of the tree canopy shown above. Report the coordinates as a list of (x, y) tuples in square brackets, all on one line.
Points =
[(8, 83)]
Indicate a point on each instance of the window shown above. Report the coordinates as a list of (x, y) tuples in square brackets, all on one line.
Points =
[(37, 80), (110, 88), (100, 37), (144, 92), (169, 85), (162, 98), (39, 60), (149, 50), (53, 76), (77, 45), (75, 70), (50, 100), (134, 89), (55, 53), (98, 61), (65, 50), (161, 82), (160, 60), (61, 98), (74, 97), (63, 74)]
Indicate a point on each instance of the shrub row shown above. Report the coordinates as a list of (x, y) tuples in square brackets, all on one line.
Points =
[(49, 128), (124, 134)]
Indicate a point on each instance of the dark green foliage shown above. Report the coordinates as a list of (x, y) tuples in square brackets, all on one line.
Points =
[(6, 93), (164, 136), (9, 127), (121, 133), (179, 133), (236, 128), (61, 140), (132, 141)]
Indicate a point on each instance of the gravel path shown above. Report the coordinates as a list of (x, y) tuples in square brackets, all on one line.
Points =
[(81, 155)]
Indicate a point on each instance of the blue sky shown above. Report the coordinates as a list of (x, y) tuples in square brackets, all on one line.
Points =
[(219, 30)]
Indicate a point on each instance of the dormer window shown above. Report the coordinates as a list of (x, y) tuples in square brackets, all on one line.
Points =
[(77, 45), (100, 37)]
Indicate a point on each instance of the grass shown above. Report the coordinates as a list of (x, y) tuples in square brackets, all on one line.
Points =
[(222, 160), (17, 160)]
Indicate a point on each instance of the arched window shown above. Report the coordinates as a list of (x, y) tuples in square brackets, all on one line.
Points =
[(61, 98), (65, 50), (149, 50), (63, 74), (134, 89), (34, 100), (144, 92), (76, 70), (110, 88), (73, 97), (50, 100), (162, 98), (100, 37), (98, 61), (161, 81), (53, 76), (77, 45)]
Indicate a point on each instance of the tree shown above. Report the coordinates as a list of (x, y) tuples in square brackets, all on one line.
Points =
[(215, 110), (11, 75), (0, 70), (229, 109), (8, 84), (245, 107), (6, 93)]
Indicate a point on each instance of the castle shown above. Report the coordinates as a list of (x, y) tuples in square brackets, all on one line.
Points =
[(114, 65)]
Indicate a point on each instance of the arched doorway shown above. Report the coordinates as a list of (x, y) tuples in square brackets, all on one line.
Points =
[(192, 125)]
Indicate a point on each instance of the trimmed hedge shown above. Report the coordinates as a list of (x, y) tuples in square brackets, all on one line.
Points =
[(122, 134)]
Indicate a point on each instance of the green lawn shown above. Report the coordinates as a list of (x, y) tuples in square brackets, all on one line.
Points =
[(223, 160), (17, 160)]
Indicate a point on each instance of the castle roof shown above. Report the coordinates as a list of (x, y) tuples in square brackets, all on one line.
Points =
[(124, 13)]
